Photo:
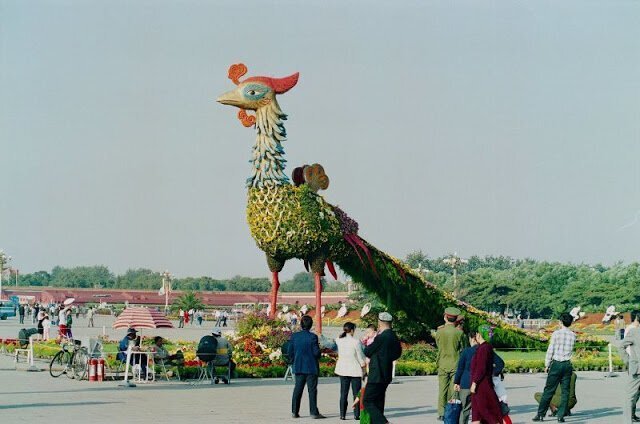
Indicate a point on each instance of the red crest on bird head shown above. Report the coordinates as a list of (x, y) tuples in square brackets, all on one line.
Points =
[(278, 85)]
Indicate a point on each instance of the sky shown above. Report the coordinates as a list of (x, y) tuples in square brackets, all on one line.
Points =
[(481, 127)]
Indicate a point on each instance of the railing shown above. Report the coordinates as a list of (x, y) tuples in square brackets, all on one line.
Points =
[(529, 324)]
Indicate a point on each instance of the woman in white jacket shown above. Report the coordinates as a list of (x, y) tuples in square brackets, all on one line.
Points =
[(349, 367)]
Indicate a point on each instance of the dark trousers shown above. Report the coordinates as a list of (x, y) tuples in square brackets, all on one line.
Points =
[(374, 395), (311, 380), (356, 385), (559, 373), (21, 319)]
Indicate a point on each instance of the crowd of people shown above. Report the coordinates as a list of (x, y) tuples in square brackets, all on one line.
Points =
[(470, 372), (370, 359), (197, 316), (47, 316), (213, 349)]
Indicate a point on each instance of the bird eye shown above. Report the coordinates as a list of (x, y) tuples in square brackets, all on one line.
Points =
[(252, 92)]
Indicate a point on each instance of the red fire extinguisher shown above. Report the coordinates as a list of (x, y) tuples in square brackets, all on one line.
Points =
[(93, 368), (100, 369)]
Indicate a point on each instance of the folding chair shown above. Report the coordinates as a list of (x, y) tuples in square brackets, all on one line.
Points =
[(288, 373), (226, 376), (162, 364), (204, 373)]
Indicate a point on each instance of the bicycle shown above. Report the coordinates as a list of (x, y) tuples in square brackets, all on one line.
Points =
[(71, 362)]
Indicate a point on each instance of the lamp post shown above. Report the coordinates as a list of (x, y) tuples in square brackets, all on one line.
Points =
[(4, 259), (454, 261), (166, 288)]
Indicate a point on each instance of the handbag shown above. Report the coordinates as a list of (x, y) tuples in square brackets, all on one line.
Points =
[(504, 408), (452, 410)]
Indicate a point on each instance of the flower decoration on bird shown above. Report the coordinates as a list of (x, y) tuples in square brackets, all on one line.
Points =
[(289, 218)]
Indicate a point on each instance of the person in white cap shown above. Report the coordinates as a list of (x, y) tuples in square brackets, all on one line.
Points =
[(224, 351), (383, 351)]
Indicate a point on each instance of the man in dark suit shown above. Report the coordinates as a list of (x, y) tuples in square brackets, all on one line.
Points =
[(383, 351), (304, 352)]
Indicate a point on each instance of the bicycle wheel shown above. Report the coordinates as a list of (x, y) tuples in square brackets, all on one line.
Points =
[(58, 365), (79, 363)]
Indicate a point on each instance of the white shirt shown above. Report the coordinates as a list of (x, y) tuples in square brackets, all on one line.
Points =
[(62, 316), (561, 346), (350, 357)]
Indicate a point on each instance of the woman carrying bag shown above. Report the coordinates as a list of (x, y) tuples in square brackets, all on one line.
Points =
[(485, 406), (349, 367)]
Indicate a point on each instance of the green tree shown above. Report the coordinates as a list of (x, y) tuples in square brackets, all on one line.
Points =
[(82, 276), (239, 283), (417, 259), (188, 300), (39, 278), (140, 278)]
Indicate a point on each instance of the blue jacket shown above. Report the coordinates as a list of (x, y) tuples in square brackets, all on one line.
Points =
[(122, 349), (123, 346), (463, 373), (304, 352)]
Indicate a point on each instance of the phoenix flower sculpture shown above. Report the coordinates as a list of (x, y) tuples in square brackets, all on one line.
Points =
[(289, 219)]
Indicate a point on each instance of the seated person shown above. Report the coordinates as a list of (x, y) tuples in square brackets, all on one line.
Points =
[(557, 397), (224, 351), (24, 335), (131, 339), (162, 354)]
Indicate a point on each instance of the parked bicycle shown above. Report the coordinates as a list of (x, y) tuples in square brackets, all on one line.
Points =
[(71, 360)]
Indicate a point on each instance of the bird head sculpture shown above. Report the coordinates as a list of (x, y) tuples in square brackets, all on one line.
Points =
[(254, 92)]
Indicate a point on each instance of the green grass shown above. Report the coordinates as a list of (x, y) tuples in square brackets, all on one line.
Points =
[(515, 355)]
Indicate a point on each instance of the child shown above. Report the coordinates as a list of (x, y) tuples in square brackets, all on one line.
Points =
[(369, 335), (46, 326)]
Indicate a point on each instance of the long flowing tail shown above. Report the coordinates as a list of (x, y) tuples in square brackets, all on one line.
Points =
[(405, 291)]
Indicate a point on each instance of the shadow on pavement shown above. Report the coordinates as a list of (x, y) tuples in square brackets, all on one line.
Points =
[(41, 404), (520, 387), (585, 416), (523, 409), (579, 416), (407, 412)]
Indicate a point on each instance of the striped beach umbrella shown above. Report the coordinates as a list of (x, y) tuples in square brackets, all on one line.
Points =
[(141, 318)]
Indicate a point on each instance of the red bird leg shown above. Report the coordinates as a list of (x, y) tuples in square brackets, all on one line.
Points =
[(318, 303), (275, 285)]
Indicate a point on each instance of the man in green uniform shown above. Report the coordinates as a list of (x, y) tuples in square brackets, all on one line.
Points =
[(450, 341)]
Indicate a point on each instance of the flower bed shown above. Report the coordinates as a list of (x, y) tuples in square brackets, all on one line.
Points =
[(259, 341)]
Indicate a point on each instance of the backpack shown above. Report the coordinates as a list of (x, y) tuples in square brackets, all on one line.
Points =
[(207, 348)]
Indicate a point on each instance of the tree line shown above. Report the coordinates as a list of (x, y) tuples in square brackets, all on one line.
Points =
[(491, 283), (146, 279), (535, 288)]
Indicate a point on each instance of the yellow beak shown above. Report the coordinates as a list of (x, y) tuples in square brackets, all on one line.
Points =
[(231, 98)]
